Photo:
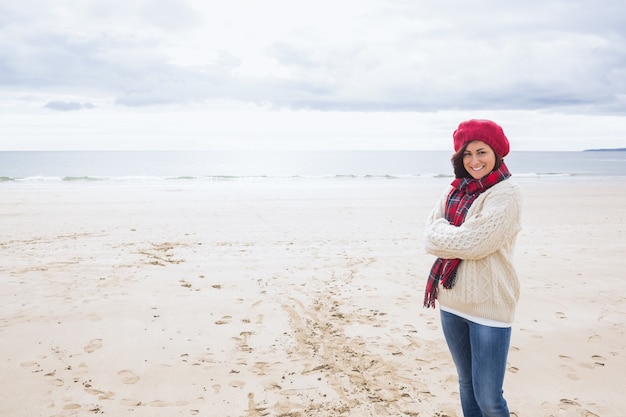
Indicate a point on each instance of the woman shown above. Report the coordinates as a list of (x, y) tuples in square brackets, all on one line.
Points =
[(472, 231)]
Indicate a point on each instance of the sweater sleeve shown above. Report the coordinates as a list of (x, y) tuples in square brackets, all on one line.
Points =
[(439, 209), (483, 232)]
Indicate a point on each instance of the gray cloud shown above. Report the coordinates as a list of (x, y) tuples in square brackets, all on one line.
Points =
[(68, 105), (404, 55)]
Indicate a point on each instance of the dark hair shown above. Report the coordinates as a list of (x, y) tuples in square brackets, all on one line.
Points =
[(459, 167)]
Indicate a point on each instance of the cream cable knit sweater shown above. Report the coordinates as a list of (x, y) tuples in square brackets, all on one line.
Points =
[(486, 284)]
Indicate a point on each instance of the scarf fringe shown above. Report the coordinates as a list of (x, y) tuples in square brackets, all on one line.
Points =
[(429, 298)]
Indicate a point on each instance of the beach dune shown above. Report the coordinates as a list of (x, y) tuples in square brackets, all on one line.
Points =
[(292, 299)]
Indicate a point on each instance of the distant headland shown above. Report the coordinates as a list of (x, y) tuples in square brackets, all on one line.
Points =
[(606, 150)]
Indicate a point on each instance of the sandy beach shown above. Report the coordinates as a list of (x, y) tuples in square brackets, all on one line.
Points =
[(291, 299)]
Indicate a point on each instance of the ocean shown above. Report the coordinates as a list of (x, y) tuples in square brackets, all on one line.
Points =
[(123, 167)]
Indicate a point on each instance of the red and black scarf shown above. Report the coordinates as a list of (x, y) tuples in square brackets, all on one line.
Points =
[(464, 192)]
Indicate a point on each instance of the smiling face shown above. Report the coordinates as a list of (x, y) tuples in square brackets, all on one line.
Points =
[(479, 159)]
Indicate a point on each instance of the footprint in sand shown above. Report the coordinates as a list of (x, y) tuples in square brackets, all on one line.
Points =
[(93, 345), (93, 317), (594, 338), (52, 380), (260, 368), (598, 360), (224, 320), (570, 372), (159, 403), (128, 377), (35, 365), (567, 404)]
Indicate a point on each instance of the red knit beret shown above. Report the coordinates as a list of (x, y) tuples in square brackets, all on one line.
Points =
[(484, 130)]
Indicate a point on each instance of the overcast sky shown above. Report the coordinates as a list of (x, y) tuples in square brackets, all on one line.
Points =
[(323, 74)]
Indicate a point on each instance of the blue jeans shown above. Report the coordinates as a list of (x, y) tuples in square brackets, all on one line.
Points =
[(479, 353)]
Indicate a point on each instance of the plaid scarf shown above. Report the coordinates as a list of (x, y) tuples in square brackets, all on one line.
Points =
[(464, 192)]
